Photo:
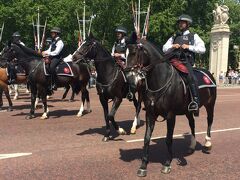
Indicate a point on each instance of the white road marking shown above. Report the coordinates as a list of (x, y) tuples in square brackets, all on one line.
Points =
[(181, 135), (14, 155)]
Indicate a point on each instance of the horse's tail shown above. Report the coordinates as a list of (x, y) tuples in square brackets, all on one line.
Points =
[(77, 87)]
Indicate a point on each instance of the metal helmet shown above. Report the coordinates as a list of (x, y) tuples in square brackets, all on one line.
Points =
[(16, 34), (185, 17), (121, 29), (56, 30)]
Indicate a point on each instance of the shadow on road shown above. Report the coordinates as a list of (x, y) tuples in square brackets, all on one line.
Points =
[(125, 124), (158, 151)]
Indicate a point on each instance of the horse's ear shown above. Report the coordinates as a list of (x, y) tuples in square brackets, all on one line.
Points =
[(9, 43), (133, 38), (90, 36)]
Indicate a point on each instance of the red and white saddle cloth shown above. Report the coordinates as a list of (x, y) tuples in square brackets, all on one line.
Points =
[(62, 69), (202, 76)]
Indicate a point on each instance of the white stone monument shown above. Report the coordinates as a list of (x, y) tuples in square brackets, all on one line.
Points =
[(219, 42)]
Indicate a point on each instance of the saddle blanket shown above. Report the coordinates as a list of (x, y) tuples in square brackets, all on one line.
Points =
[(68, 58), (201, 75), (62, 69)]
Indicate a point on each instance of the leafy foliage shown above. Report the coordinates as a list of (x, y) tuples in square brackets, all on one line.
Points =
[(18, 14)]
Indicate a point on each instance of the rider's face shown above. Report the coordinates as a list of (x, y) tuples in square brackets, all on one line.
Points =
[(182, 25), (119, 35), (53, 34)]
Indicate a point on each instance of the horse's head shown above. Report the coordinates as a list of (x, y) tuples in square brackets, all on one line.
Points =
[(142, 54), (138, 58), (87, 50), (9, 52)]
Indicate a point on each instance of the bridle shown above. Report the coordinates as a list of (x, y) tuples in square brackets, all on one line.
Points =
[(87, 50), (142, 70)]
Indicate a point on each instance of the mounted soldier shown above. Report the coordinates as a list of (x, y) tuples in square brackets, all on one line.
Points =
[(54, 52), (190, 43), (119, 50), (16, 38)]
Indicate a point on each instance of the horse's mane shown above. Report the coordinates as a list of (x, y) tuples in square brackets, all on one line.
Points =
[(151, 47), (28, 50), (105, 49)]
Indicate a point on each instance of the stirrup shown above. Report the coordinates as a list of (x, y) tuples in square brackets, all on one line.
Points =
[(130, 96), (193, 106)]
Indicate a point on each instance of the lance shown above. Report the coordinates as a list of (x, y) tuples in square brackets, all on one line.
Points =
[(146, 24), (38, 30), (34, 35), (90, 25), (80, 32), (1, 32), (139, 15), (134, 16), (43, 36)]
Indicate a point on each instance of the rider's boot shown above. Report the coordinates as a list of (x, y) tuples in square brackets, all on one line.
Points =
[(12, 75), (54, 86), (195, 103)]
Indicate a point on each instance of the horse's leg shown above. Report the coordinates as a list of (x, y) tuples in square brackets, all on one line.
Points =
[(65, 92), (136, 122), (27, 88), (9, 99), (191, 122), (115, 106), (85, 96), (81, 109), (170, 128), (72, 96), (16, 91), (33, 100), (88, 102), (1, 101), (210, 114), (45, 107), (104, 103), (150, 123), (10, 89)]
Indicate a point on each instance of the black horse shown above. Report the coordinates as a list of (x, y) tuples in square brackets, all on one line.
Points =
[(164, 94), (111, 83), (32, 63)]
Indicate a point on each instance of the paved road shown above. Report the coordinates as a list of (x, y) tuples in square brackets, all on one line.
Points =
[(67, 147)]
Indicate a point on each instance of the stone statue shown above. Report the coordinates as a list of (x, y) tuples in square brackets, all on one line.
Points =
[(221, 14)]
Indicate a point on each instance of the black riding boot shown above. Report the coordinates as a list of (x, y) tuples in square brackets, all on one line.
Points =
[(12, 74), (194, 105), (53, 78)]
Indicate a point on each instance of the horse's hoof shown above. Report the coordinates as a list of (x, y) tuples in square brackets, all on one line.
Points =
[(142, 172), (190, 151), (87, 111), (79, 115), (105, 139), (207, 148), (30, 117), (121, 131), (44, 117), (10, 109), (71, 100), (166, 169), (133, 131)]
